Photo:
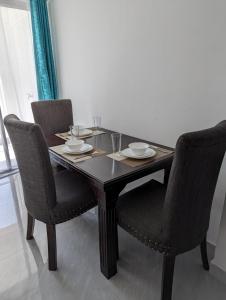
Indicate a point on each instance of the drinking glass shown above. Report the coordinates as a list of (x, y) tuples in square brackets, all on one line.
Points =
[(116, 139), (96, 122), (74, 129)]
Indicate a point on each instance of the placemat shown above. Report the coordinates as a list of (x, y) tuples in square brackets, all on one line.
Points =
[(74, 158), (160, 153), (65, 136)]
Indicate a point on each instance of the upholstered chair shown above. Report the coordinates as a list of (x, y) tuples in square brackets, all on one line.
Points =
[(174, 219), (54, 116), (49, 198)]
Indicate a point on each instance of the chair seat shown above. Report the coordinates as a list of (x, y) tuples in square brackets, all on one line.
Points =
[(140, 211), (74, 196)]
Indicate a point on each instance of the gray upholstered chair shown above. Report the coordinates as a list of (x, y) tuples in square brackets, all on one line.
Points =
[(49, 198), (53, 116), (174, 219)]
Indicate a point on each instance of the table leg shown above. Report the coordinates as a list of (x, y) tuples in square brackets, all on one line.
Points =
[(166, 175), (108, 231)]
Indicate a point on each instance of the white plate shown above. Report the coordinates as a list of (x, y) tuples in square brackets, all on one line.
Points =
[(84, 132), (85, 148), (129, 153)]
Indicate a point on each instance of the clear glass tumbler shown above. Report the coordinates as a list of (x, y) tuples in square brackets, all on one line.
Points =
[(116, 139), (74, 130), (97, 122)]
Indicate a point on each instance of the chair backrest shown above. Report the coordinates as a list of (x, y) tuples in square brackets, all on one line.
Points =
[(191, 186), (34, 165), (54, 116)]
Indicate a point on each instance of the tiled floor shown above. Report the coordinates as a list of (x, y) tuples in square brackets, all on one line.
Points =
[(23, 265)]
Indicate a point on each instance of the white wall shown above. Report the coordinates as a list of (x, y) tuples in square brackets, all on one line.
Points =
[(151, 68)]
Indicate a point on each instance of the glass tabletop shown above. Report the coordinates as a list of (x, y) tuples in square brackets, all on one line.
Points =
[(103, 168)]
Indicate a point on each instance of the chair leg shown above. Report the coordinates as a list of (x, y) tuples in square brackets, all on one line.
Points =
[(30, 227), (167, 277), (203, 248), (52, 249)]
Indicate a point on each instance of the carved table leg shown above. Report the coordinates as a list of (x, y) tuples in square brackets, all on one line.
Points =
[(108, 230)]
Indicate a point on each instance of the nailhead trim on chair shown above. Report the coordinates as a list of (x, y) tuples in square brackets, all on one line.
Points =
[(74, 212), (155, 245)]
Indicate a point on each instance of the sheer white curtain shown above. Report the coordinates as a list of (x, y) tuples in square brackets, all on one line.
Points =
[(17, 73)]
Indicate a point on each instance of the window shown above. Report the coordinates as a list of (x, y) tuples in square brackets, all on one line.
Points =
[(17, 69)]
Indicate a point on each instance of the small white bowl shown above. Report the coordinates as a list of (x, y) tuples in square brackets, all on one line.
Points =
[(74, 145), (138, 148)]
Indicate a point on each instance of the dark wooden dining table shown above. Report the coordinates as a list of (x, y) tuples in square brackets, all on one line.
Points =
[(108, 178)]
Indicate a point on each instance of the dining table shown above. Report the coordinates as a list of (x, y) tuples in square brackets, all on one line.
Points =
[(107, 178)]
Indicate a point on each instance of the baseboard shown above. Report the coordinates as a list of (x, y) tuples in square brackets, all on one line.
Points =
[(217, 272), (211, 249)]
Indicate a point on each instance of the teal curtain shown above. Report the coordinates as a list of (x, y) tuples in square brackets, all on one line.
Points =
[(44, 62)]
